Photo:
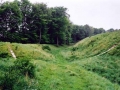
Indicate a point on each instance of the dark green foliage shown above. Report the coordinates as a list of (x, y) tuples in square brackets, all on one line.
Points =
[(110, 30), (40, 20), (46, 47), (3, 55), (10, 18), (16, 47), (81, 32), (10, 77), (24, 22), (74, 48), (25, 67), (59, 26), (19, 73)]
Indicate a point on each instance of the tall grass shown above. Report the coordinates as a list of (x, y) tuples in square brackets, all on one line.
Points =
[(95, 45), (106, 66)]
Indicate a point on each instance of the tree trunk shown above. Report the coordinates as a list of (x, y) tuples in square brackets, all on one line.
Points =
[(57, 41), (1, 87), (40, 36), (6, 31)]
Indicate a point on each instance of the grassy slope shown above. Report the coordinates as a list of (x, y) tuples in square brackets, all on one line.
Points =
[(106, 65), (95, 45), (54, 72), (70, 77)]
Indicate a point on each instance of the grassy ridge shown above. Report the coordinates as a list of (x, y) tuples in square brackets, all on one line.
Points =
[(95, 45), (32, 51), (107, 64)]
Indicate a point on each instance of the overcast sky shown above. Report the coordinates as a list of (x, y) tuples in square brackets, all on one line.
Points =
[(97, 13)]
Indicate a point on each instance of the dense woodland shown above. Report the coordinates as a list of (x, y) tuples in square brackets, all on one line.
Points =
[(24, 22)]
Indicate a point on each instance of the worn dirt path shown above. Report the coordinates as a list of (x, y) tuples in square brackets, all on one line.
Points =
[(109, 49), (11, 51)]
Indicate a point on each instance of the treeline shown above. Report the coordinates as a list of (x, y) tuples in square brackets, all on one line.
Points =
[(81, 32), (24, 22)]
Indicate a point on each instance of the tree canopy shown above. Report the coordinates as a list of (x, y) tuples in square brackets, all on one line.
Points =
[(24, 22)]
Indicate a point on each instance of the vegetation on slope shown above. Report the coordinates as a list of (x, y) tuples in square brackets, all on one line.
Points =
[(63, 68), (103, 55), (105, 66), (16, 75), (70, 77), (96, 45)]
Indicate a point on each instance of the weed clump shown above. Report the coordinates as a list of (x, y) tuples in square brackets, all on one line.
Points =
[(46, 48), (4, 55), (25, 67), (74, 48), (18, 76)]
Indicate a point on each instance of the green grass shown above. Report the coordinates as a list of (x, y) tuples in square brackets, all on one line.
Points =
[(115, 51), (68, 67), (70, 77), (31, 51), (105, 66), (4, 51), (95, 45)]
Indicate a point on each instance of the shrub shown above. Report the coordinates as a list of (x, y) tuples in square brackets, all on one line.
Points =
[(16, 48), (46, 47), (10, 78), (74, 48), (4, 55), (25, 67), (16, 75)]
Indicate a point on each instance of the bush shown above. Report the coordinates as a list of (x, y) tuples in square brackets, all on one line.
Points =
[(46, 47), (25, 67), (74, 48), (18, 74), (4, 55), (10, 78)]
